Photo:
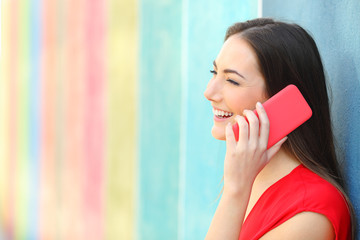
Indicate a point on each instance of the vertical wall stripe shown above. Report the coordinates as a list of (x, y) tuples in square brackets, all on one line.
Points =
[(122, 118), (48, 202), (3, 112), (4, 120), (22, 173), (260, 8), (34, 119), (94, 115), (175, 147), (183, 112), (74, 84), (59, 117), (12, 118), (0, 27), (159, 118), (203, 154)]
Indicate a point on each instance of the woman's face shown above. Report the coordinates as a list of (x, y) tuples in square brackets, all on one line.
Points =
[(236, 85)]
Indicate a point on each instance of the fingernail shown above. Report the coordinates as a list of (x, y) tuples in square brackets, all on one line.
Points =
[(259, 105)]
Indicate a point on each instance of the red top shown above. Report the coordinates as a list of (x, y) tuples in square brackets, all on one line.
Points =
[(299, 191)]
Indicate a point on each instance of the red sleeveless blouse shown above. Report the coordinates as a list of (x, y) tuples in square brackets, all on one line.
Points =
[(301, 190)]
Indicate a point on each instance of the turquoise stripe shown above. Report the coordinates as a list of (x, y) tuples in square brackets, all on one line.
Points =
[(159, 118), (180, 163), (203, 154), (34, 119)]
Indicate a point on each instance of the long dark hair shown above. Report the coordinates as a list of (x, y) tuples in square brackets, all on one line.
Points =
[(287, 54)]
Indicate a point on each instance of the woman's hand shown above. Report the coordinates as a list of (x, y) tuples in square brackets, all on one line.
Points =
[(243, 161), (247, 157)]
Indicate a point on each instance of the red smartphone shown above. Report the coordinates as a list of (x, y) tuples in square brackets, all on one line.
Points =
[(286, 111)]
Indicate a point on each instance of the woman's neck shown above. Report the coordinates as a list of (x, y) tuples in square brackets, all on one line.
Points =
[(278, 167)]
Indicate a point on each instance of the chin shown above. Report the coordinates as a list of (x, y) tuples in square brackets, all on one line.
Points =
[(218, 133)]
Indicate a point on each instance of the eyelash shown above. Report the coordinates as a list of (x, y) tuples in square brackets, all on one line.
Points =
[(229, 80), (233, 82)]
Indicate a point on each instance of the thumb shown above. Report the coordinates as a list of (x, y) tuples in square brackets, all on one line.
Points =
[(274, 149)]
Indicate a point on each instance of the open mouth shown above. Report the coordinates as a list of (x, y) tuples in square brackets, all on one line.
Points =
[(222, 114)]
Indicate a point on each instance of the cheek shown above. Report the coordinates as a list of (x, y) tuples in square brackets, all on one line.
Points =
[(240, 101)]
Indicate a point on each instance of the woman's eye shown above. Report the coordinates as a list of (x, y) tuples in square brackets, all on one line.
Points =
[(233, 82), (213, 72)]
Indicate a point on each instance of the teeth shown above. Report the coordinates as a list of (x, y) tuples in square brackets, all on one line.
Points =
[(222, 113)]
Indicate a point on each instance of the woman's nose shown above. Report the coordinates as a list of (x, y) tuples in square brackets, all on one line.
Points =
[(212, 91)]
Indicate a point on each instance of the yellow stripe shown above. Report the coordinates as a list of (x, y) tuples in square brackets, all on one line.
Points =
[(121, 163)]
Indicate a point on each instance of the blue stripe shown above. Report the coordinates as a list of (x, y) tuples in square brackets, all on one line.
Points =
[(34, 118)]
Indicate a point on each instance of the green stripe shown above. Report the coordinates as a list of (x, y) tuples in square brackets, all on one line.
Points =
[(22, 174)]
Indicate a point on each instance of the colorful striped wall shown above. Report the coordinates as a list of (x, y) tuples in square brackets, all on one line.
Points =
[(67, 119), (104, 129)]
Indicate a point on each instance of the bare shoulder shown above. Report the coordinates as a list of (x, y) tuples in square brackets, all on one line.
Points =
[(304, 225)]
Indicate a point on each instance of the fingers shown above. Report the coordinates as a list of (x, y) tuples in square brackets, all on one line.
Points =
[(230, 137), (264, 124), (255, 132), (274, 149), (243, 129), (253, 127)]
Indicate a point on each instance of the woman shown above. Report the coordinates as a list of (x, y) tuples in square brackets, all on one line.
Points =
[(294, 190)]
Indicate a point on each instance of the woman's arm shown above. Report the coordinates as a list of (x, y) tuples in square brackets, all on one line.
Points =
[(304, 225), (243, 161), (229, 216)]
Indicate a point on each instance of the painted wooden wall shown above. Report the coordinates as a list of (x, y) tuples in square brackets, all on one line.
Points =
[(68, 119), (105, 132), (180, 164), (334, 25)]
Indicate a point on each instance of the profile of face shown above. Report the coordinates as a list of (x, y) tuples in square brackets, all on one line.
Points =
[(237, 84)]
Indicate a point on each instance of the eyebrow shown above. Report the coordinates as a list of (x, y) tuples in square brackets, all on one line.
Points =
[(229, 71)]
